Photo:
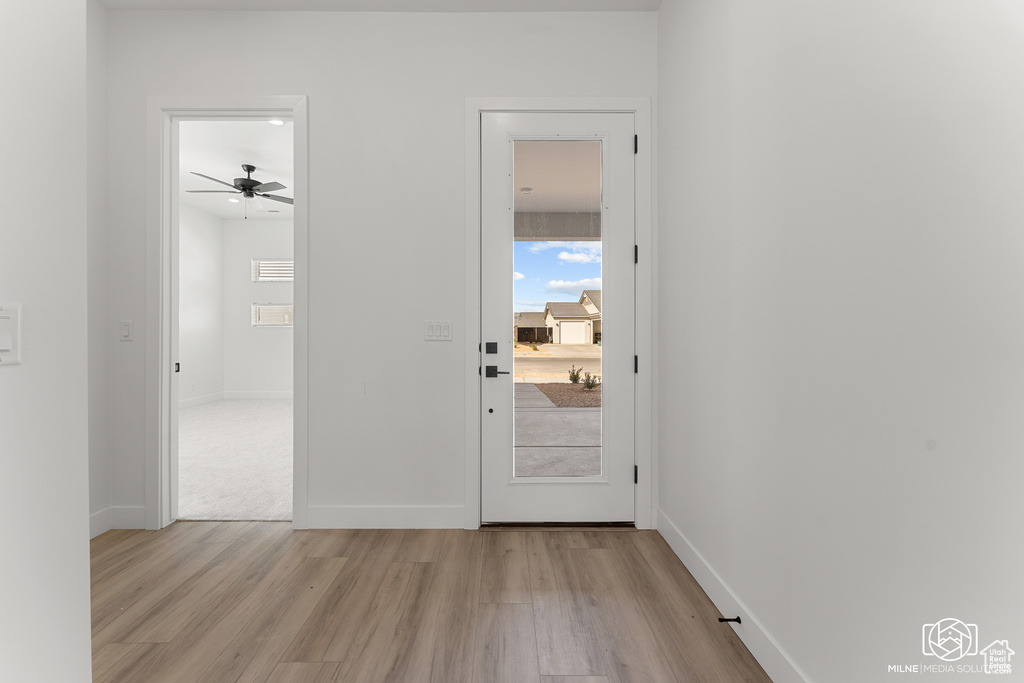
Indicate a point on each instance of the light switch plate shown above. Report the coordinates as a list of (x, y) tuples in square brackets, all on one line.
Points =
[(438, 330), (10, 334), (127, 330)]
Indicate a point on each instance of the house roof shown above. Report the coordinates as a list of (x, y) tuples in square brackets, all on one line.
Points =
[(529, 319), (567, 309), (594, 295)]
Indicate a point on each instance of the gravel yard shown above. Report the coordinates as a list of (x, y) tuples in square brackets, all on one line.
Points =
[(566, 395)]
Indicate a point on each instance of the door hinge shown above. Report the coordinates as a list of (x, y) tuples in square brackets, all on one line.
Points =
[(177, 367), (636, 364), (636, 474), (636, 253), (636, 144)]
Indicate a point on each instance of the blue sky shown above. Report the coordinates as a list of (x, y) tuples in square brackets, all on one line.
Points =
[(553, 271)]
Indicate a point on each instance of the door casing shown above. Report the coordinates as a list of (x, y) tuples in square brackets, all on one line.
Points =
[(161, 298), (646, 331)]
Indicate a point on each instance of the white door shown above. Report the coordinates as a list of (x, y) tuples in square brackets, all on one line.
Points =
[(557, 220)]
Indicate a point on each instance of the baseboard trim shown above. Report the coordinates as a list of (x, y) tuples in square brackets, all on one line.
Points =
[(385, 517), (235, 395), (99, 523), (117, 517), (200, 400), (127, 517), (772, 658)]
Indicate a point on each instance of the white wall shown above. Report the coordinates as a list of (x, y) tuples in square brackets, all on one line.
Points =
[(101, 328), (842, 386), (44, 448), (258, 362), (200, 306), (387, 214)]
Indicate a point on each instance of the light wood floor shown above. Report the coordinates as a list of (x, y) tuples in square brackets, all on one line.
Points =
[(256, 601)]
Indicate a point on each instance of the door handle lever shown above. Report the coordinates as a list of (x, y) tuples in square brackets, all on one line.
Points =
[(492, 371)]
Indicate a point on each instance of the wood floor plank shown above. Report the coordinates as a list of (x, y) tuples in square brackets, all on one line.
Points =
[(142, 597), (117, 592), (180, 607), (192, 650), (304, 672), (126, 564), (505, 571), (456, 590), (227, 532), (332, 542), (566, 637), (420, 545), (505, 645), (112, 546), (669, 594), (365, 585), (262, 640), (383, 650), (624, 634), (336, 620), (573, 679), (112, 660)]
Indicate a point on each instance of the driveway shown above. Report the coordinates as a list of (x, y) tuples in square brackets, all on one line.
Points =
[(551, 362)]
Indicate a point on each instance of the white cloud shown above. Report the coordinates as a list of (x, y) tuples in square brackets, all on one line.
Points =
[(517, 276), (573, 286), (580, 257)]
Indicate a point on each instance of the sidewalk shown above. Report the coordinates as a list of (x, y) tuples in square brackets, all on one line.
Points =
[(552, 441)]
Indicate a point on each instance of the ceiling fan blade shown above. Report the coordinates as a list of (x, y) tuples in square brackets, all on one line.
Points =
[(286, 200), (216, 191), (268, 187), (262, 206), (213, 179)]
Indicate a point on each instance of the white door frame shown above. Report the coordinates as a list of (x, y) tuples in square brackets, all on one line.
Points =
[(164, 112), (645, 501)]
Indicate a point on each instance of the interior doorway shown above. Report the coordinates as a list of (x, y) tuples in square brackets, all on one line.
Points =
[(232, 434)]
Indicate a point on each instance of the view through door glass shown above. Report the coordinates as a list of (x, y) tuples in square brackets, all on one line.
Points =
[(557, 308)]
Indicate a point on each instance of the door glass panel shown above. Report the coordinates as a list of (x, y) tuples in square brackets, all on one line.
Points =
[(557, 308)]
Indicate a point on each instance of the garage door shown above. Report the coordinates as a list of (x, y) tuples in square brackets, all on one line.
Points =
[(574, 333)]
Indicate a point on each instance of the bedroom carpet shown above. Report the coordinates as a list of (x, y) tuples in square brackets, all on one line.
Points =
[(235, 461)]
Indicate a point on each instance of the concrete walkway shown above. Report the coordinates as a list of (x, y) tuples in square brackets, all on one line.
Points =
[(552, 441)]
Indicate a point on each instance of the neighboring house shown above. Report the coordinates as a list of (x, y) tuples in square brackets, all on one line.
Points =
[(530, 327), (566, 322)]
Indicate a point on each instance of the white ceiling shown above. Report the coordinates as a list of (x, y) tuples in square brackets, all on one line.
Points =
[(564, 176), (393, 5), (219, 148)]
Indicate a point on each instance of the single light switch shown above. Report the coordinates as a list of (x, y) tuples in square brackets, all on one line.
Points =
[(10, 336), (127, 330)]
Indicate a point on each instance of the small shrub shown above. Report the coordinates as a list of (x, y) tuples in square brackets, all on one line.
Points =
[(533, 346), (574, 375), (589, 382)]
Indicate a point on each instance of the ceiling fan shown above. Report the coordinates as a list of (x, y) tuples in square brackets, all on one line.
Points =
[(248, 188)]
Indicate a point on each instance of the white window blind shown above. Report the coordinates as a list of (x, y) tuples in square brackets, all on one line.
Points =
[(273, 270), (273, 315)]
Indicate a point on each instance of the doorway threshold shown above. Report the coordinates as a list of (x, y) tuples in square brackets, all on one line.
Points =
[(558, 526)]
